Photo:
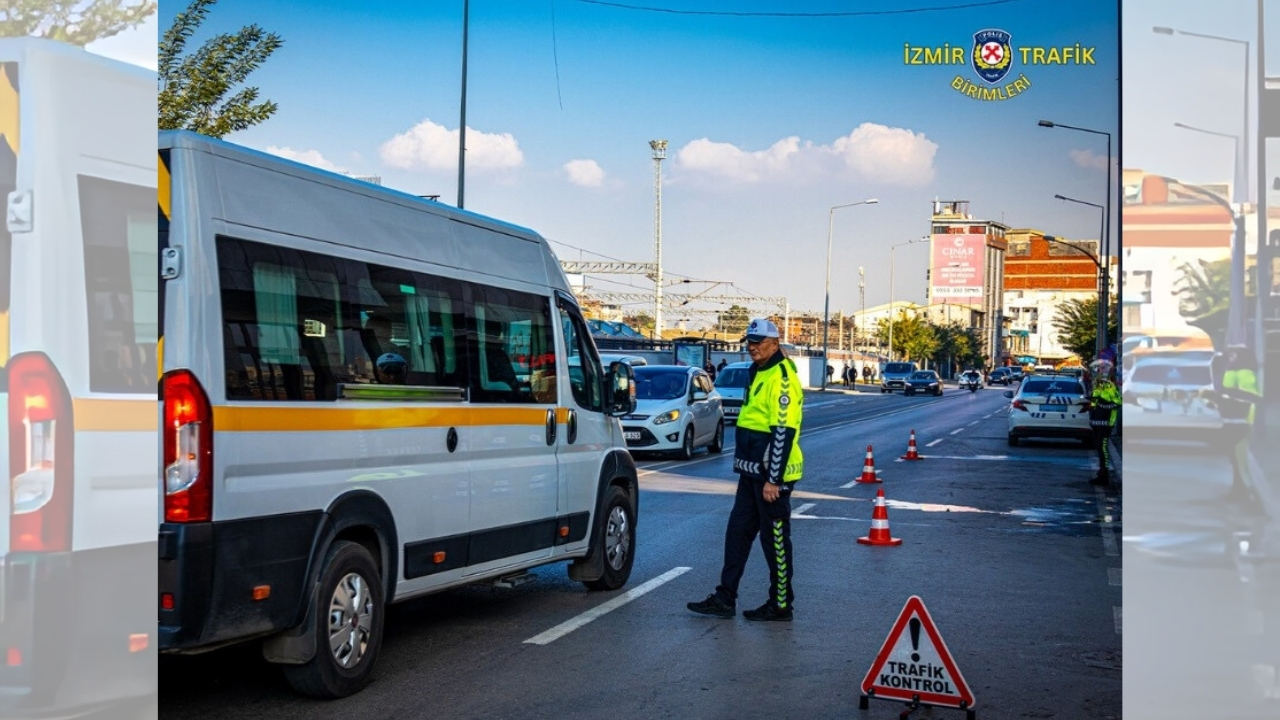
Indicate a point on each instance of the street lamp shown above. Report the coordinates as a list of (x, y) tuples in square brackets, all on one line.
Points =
[(826, 305), (893, 249), (1106, 214), (1242, 151), (1102, 272), (1104, 279), (1235, 307)]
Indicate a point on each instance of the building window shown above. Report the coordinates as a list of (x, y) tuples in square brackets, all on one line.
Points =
[(1057, 249), (1019, 248)]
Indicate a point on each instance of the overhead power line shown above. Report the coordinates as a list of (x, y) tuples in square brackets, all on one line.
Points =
[(847, 13)]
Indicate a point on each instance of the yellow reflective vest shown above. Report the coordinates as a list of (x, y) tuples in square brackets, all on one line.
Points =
[(1246, 381), (767, 444)]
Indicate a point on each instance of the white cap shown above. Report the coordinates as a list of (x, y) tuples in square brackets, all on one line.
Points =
[(761, 328)]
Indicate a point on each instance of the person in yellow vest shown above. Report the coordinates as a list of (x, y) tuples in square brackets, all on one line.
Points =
[(1240, 385), (768, 461), (1104, 406)]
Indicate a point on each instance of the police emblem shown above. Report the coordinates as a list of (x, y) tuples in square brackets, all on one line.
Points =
[(992, 54)]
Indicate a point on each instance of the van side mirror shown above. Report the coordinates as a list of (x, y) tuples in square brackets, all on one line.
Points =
[(620, 398)]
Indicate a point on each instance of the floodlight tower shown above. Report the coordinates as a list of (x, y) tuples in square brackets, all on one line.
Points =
[(659, 154)]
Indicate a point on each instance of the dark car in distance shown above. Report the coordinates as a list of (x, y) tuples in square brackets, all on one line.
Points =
[(923, 381)]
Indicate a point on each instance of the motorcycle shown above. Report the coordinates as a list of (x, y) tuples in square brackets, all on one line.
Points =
[(971, 382)]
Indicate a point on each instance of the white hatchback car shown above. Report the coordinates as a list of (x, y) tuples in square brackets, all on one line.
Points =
[(1049, 406), (1171, 392), (677, 409), (731, 383)]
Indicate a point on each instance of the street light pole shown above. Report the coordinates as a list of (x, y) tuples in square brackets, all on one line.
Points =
[(1101, 341), (1242, 151), (826, 304), (1105, 240), (893, 249), (1235, 306)]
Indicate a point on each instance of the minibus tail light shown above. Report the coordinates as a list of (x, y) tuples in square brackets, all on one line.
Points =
[(41, 437), (188, 450)]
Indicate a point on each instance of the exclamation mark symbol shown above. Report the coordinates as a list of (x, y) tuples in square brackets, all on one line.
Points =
[(915, 639)]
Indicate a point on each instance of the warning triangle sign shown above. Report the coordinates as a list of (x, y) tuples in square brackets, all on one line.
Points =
[(914, 663)]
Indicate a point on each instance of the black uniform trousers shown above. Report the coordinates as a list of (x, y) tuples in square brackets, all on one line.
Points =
[(752, 516)]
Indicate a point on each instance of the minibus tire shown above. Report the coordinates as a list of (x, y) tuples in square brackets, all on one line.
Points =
[(617, 524), (322, 676)]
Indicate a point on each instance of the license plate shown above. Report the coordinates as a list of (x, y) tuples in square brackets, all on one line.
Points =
[(731, 411), (1055, 408), (631, 436)]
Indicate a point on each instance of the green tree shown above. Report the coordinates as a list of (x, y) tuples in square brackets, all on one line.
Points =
[(735, 319), (1204, 293), (194, 87), (957, 345), (913, 337), (76, 22), (1077, 325), (642, 322)]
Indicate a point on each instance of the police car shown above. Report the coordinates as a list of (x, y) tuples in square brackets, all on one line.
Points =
[(1049, 406)]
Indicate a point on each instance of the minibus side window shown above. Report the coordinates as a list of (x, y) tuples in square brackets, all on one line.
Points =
[(415, 318), (513, 358), (122, 289), (584, 364)]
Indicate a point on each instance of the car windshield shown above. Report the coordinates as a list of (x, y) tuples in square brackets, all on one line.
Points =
[(922, 375), (1162, 374), (660, 383), (1054, 386), (897, 368), (732, 378)]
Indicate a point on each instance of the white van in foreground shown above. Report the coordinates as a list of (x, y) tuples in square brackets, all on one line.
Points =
[(78, 430), (366, 397)]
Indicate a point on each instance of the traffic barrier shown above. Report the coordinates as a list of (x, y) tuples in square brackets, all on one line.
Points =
[(869, 469), (879, 534), (911, 448)]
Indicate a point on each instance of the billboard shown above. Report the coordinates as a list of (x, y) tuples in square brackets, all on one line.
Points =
[(956, 269)]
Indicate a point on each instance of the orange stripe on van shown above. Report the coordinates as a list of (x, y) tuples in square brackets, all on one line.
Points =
[(116, 415), (278, 419)]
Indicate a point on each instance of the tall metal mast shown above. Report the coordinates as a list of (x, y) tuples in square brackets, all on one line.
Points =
[(659, 153)]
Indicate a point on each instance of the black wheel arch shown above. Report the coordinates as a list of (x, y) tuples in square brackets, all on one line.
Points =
[(361, 516), (617, 468)]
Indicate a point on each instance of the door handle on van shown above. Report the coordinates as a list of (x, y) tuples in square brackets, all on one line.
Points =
[(551, 426), (573, 426)]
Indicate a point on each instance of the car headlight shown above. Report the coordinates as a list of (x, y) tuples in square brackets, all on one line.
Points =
[(666, 417)]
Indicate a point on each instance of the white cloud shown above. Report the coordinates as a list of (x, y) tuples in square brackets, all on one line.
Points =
[(728, 161), (1089, 159), (435, 147), (876, 153), (894, 156), (310, 157), (586, 173)]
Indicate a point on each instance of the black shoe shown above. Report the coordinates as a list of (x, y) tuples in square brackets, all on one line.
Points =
[(713, 606), (1100, 480), (768, 612)]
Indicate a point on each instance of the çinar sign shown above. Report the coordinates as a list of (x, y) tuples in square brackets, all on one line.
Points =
[(916, 666)]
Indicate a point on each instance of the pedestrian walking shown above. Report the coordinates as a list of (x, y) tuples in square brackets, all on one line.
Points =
[(769, 463), (1242, 394)]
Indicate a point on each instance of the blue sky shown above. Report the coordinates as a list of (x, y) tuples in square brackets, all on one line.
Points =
[(770, 122), (1194, 81)]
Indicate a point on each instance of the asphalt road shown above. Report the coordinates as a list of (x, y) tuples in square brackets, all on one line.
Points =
[(1201, 631), (1014, 554)]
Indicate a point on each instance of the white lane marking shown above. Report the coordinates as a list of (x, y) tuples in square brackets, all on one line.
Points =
[(572, 624), (935, 442), (1108, 528), (975, 422), (800, 510), (957, 431), (1114, 576), (1115, 611)]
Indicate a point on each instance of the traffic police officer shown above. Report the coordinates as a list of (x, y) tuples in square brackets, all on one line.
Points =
[(1104, 404), (768, 461), (1240, 384)]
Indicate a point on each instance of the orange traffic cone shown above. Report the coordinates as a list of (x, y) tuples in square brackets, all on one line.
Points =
[(911, 448), (869, 469), (879, 534)]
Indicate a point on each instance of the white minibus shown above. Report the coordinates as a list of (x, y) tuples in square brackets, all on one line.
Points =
[(366, 396), (78, 433)]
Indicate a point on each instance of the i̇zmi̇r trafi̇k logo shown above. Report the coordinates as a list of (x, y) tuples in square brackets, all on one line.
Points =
[(991, 56)]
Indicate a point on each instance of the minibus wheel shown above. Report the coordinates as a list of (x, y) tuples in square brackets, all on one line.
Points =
[(617, 540), (348, 629)]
